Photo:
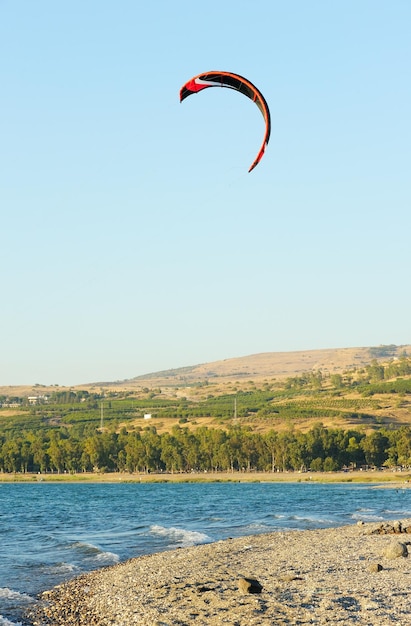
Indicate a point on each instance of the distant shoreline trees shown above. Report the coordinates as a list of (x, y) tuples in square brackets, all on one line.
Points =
[(204, 449)]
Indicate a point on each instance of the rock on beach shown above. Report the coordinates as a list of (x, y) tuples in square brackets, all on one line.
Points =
[(327, 577)]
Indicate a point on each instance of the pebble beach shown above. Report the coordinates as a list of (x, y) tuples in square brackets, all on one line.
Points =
[(359, 574)]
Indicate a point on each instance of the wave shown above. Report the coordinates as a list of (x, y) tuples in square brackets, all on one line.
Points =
[(11, 600), (61, 568), (15, 596), (94, 553), (179, 536), (258, 527), (107, 558), (6, 622), (85, 547), (312, 519), (367, 517)]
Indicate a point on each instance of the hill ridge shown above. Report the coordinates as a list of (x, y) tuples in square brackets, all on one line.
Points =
[(258, 366), (276, 364)]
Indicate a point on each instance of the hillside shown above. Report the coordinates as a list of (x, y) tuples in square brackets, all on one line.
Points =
[(346, 388), (239, 370), (267, 365)]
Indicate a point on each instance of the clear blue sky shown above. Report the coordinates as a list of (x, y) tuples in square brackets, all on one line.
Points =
[(132, 237)]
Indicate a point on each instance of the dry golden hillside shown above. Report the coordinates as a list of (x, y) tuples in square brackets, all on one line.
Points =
[(268, 365), (256, 367)]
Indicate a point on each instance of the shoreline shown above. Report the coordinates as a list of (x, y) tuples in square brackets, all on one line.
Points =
[(327, 576), (386, 477)]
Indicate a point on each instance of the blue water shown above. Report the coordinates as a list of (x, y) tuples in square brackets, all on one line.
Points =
[(52, 532)]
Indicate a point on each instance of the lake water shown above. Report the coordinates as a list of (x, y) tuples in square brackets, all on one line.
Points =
[(52, 532)]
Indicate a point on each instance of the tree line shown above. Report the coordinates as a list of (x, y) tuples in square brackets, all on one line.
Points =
[(204, 449)]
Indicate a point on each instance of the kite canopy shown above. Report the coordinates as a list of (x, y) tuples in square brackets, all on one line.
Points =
[(237, 82)]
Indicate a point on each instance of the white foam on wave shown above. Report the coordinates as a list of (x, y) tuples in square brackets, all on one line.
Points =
[(107, 557), (311, 519), (95, 553), (367, 517), (61, 568), (86, 547), (258, 526), (180, 536), (9, 594), (11, 599)]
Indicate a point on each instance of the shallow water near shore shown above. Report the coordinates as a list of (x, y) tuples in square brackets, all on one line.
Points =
[(52, 532)]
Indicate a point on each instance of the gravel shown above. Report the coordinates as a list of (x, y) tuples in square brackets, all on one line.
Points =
[(332, 576)]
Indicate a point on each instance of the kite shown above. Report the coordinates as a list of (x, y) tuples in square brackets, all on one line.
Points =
[(237, 82)]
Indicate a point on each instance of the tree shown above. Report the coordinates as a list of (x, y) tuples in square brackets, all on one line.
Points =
[(284, 441), (271, 444), (135, 453), (189, 449), (375, 371), (375, 448), (399, 453), (11, 456), (315, 443), (171, 453), (152, 450), (73, 453), (352, 452), (330, 464), (93, 452), (57, 454), (337, 381), (250, 450), (316, 464), (40, 456)]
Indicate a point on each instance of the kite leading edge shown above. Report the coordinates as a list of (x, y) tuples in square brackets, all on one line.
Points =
[(237, 82)]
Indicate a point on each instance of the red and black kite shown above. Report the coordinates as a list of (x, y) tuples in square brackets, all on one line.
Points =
[(237, 82)]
